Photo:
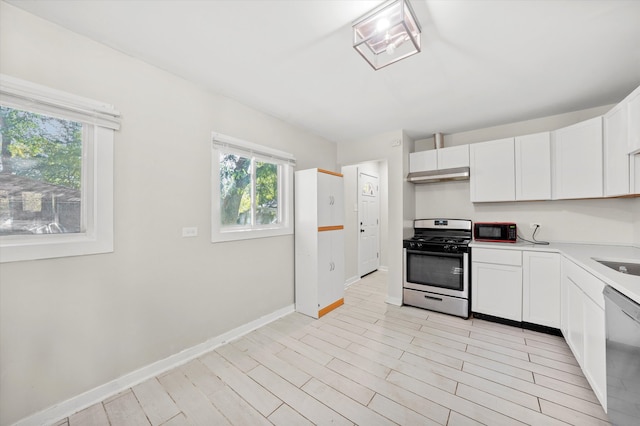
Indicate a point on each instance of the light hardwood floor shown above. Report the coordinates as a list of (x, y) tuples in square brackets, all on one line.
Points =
[(366, 363)]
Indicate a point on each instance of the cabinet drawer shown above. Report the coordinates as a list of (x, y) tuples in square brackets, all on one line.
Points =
[(590, 285), (497, 256)]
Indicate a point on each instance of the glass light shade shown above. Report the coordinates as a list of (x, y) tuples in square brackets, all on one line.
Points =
[(387, 34)]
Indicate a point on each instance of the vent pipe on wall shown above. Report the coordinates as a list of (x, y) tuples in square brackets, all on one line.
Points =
[(439, 140)]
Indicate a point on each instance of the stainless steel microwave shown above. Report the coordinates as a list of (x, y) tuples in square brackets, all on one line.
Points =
[(498, 232)]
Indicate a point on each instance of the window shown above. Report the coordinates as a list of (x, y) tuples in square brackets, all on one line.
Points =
[(56, 173), (252, 190)]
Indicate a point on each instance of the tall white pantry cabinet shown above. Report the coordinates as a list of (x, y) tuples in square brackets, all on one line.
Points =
[(319, 241)]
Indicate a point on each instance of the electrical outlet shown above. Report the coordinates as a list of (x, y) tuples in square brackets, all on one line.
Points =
[(535, 225)]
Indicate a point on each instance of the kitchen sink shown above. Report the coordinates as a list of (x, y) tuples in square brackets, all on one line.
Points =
[(622, 267)]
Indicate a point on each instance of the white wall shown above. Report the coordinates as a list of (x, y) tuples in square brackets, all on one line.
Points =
[(514, 129), (351, 230), (394, 147), (636, 223), (69, 325), (592, 221)]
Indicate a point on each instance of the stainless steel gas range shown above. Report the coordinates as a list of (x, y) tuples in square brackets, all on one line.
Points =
[(437, 265)]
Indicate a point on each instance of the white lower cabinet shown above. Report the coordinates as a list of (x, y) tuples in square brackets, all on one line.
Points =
[(546, 288), (522, 286), (496, 283), (541, 288), (594, 360), (583, 324)]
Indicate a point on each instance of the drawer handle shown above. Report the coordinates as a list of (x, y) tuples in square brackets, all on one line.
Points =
[(439, 299)]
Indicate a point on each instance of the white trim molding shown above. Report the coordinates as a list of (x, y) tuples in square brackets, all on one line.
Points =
[(67, 408)]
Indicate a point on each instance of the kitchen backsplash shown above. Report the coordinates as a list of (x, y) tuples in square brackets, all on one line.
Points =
[(592, 221)]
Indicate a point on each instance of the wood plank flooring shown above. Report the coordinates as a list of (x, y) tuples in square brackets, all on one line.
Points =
[(366, 363)]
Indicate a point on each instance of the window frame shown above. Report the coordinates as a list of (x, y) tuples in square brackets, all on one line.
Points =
[(285, 162), (99, 123)]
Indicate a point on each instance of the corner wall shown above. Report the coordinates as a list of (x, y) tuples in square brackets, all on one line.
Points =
[(394, 147), (69, 325)]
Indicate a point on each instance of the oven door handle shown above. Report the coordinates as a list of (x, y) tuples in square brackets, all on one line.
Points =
[(432, 253)]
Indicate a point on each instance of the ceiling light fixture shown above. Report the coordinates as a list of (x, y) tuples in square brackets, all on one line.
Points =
[(386, 34)]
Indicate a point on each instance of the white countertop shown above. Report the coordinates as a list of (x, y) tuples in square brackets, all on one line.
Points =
[(583, 255)]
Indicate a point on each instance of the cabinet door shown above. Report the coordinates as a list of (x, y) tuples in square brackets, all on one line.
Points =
[(564, 303), (578, 160), (492, 167), (634, 172), (575, 320), (497, 290), (633, 120), (616, 147), (533, 166), (330, 199), (594, 361), (541, 288), (423, 161), (455, 156), (330, 267)]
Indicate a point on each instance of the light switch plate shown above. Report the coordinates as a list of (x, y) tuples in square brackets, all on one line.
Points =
[(190, 232)]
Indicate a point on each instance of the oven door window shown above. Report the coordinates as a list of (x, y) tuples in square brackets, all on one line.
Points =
[(435, 269)]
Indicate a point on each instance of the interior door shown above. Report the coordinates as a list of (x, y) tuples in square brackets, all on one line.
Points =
[(369, 223)]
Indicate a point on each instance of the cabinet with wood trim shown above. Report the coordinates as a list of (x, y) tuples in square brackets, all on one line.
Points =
[(319, 241)]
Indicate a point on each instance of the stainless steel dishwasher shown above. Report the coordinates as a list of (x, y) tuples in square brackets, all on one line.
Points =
[(623, 358)]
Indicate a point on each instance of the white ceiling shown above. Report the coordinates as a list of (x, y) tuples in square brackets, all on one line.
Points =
[(483, 62)]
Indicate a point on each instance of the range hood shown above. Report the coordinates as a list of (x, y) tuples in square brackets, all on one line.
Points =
[(439, 175), (431, 176)]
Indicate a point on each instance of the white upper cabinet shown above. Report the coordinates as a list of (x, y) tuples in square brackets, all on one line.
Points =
[(616, 147), (492, 170), (452, 157), (633, 117), (577, 166), (423, 161), (634, 174), (330, 198), (533, 166), (438, 159)]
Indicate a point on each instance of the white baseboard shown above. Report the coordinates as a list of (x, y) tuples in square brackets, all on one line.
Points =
[(394, 301), (383, 268), (351, 280), (77, 403)]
